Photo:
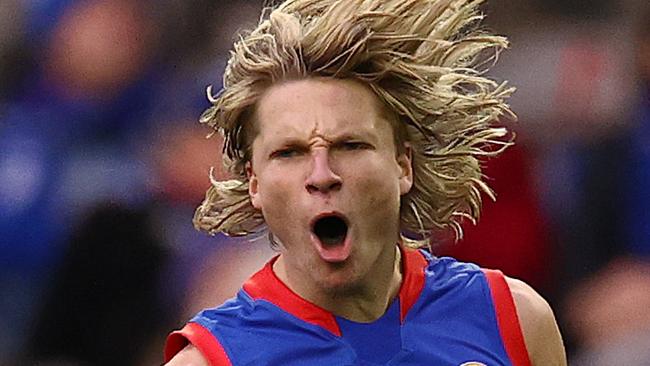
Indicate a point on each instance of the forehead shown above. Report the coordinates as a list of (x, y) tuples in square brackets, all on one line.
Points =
[(330, 107)]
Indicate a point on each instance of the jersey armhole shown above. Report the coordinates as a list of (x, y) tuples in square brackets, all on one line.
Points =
[(202, 339), (507, 318)]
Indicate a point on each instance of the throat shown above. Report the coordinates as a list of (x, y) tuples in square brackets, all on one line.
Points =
[(363, 302), (368, 302)]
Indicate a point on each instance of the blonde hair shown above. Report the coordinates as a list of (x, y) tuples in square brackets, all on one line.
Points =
[(420, 57)]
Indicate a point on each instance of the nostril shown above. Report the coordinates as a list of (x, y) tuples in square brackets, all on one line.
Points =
[(335, 186), (323, 187)]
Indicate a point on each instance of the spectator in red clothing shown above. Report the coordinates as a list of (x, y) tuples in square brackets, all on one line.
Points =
[(513, 234)]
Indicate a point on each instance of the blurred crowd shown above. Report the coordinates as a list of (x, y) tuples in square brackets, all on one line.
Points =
[(102, 164)]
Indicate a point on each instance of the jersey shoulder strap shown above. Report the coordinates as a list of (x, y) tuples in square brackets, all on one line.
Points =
[(202, 339), (507, 318)]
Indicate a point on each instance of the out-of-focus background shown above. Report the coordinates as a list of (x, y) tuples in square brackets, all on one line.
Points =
[(102, 164)]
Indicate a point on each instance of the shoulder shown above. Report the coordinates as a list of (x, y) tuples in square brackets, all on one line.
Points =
[(194, 345), (199, 342), (539, 328), (448, 268), (188, 356)]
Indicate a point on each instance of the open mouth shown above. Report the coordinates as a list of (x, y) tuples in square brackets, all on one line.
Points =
[(331, 230), (330, 235)]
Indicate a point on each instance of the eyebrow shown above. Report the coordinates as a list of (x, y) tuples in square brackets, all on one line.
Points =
[(289, 141), (354, 136)]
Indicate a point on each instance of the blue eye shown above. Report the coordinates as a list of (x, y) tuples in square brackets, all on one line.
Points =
[(285, 153)]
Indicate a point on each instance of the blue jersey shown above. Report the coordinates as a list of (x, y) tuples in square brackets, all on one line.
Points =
[(446, 313)]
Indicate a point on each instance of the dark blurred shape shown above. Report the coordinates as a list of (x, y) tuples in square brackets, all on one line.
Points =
[(201, 32), (642, 56), (103, 305), (596, 234), (638, 188), (579, 9), (14, 58)]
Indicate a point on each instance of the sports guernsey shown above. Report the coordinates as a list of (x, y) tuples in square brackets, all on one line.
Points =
[(447, 313)]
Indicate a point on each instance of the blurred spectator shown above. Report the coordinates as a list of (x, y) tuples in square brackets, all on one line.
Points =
[(104, 303), (233, 265), (638, 188), (98, 48), (98, 103), (605, 313), (183, 156), (62, 135), (13, 57), (90, 86), (512, 234), (608, 314)]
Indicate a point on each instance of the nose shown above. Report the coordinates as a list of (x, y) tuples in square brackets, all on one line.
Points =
[(321, 178)]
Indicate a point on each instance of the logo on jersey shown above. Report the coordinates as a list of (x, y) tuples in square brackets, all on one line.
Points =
[(473, 363)]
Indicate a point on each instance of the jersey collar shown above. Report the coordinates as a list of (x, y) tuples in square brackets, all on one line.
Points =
[(265, 285)]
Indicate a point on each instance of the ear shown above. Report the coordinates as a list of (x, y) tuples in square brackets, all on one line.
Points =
[(253, 191), (404, 160)]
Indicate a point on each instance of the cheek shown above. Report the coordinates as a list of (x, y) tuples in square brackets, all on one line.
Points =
[(277, 196), (378, 189), (271, 192)]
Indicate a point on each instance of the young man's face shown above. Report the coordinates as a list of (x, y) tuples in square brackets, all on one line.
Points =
[(327, 177)]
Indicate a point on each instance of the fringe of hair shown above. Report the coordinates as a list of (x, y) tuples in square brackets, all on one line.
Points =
[(422, 58)]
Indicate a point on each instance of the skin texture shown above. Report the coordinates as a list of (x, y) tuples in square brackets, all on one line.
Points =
[(541, 333), (323, 146), (188, 356)]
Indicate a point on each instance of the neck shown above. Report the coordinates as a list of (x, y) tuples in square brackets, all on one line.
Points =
[(364, 302)]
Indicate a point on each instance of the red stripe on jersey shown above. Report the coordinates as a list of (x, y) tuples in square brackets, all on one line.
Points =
[(413, 266), (267, 286), (202, 339), (507, 317)]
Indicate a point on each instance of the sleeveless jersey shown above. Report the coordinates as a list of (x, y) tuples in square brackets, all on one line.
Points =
[(447, 313)]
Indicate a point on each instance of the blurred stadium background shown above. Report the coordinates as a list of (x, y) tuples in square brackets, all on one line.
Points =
[(102, 163)]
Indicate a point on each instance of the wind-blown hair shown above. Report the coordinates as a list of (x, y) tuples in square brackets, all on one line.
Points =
[(420, 57)]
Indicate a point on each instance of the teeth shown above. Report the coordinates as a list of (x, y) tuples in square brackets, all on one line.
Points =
[(331, 230)]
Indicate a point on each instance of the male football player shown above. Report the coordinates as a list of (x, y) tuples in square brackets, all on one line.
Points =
[(355, 130)]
